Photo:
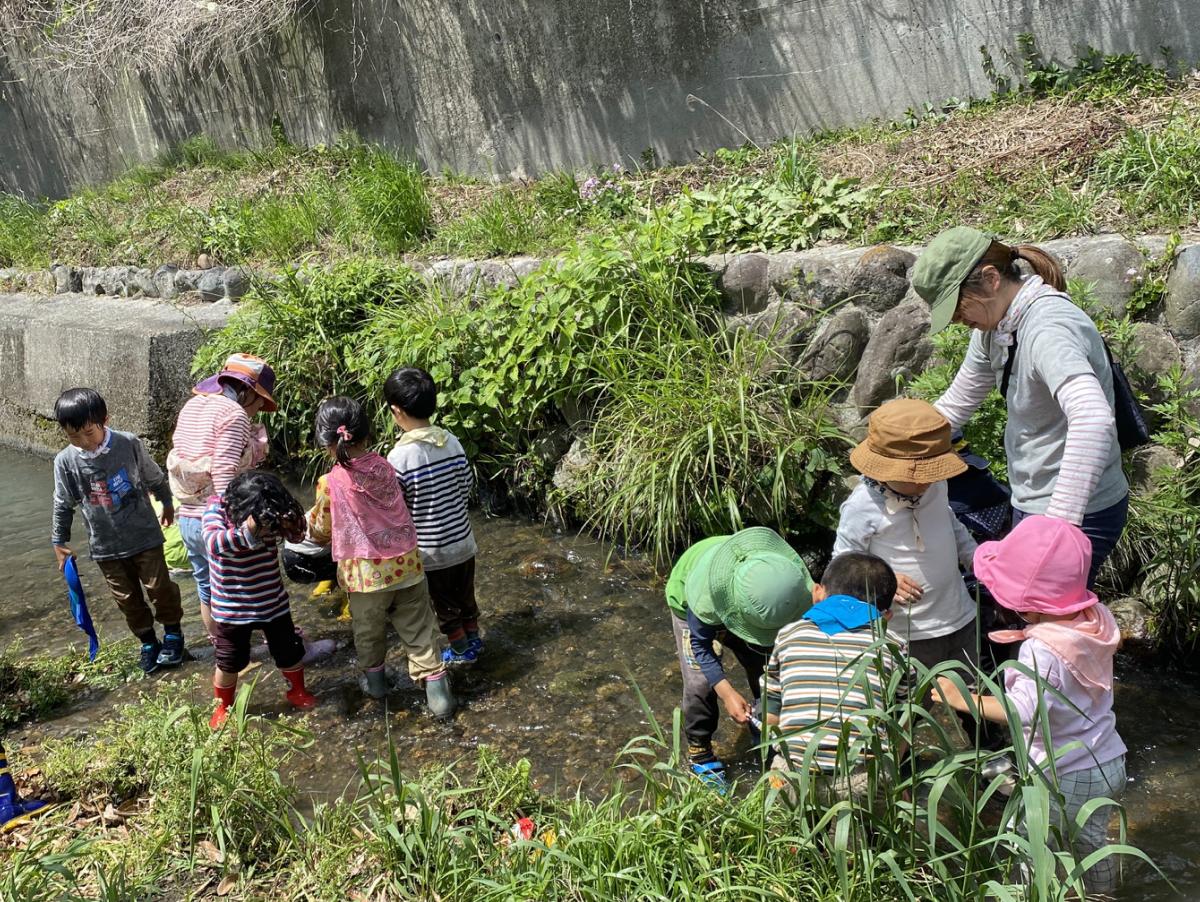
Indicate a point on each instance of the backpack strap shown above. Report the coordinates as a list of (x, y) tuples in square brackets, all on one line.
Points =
[(1008, 365)]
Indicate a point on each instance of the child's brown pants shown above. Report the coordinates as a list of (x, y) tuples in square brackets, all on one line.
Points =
[(128, 576)]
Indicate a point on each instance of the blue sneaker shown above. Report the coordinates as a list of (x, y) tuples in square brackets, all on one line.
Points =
[(452, 658), (475, 644), (172, 650), (712, 775), (149, 656)]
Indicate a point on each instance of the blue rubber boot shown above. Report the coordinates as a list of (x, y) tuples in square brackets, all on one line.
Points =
[(712, 775), (13, 812)]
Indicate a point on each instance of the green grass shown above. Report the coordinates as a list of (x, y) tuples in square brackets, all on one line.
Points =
[(33, 686), (276, 205), (200, 808)]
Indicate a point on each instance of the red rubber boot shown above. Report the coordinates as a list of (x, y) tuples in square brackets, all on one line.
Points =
[(224, 696), (297, 694)]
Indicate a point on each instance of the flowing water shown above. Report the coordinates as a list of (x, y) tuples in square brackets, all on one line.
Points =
[(573, 633)]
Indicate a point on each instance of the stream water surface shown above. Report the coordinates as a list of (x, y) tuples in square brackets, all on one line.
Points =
[(574, 633)]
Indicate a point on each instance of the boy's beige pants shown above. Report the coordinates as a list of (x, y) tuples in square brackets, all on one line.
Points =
[(411, 616)]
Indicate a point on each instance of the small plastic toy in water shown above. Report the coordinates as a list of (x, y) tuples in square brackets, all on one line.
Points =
[(79, 608)]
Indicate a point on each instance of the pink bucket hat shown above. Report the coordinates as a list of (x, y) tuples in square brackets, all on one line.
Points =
[(1041, 566)]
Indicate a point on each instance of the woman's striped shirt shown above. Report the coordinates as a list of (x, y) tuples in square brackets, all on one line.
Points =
[(820, 685), (244, 572)]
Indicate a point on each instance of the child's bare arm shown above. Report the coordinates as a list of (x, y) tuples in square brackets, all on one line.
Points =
[(988, 706)]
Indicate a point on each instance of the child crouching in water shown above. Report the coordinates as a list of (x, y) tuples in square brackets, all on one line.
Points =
[(1040, 571), (241, 532), (360, 511)]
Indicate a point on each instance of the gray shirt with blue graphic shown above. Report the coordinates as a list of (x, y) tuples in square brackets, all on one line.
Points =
[(111, 487)]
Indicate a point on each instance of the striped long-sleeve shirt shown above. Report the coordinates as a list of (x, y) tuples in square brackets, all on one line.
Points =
[(244, 571), (821, 685), (436, 478), (216, 428)]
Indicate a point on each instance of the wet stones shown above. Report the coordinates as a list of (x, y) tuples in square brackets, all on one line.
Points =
[(544, 565)]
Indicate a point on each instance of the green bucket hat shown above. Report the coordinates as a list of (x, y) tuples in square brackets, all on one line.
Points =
[(941, 269), (753, 583)]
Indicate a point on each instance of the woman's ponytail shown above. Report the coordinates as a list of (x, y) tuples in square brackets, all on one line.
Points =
[(1043, 265)]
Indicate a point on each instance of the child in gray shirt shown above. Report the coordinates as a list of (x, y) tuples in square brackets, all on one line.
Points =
[(108, 474)]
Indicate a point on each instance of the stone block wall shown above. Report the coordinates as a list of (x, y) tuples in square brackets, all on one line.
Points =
[(842, 313), (136, 353)]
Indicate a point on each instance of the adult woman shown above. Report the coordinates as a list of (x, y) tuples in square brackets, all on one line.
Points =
[(1049, 360), (214, 441)]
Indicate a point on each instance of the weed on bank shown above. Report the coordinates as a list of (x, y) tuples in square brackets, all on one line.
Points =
[(156, 805)]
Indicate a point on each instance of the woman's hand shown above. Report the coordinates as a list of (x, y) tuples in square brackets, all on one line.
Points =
[(908, 590)]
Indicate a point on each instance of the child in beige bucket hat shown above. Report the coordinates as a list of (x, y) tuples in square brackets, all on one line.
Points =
[(900, 511)]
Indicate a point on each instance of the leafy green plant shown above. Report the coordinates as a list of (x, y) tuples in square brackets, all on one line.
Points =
[(306, 325), (985, 430), (34, 686), (771, 216)]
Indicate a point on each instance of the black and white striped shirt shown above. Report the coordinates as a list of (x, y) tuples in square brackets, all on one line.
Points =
[(436, 478)]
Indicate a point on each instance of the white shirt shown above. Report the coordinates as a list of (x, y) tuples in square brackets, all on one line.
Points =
[(926, 543)]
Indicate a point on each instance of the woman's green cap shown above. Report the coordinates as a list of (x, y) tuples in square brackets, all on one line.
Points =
[(942, 268), (753, 584)]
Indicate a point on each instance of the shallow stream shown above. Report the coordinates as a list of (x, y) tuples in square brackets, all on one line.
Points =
[(573, 632)]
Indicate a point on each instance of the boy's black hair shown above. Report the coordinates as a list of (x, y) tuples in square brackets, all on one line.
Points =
[(863, 576), (413, 391), (262, 496), (335, 413), (77, 407)]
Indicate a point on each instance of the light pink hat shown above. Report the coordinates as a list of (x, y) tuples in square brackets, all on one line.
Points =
[(1041, 566)]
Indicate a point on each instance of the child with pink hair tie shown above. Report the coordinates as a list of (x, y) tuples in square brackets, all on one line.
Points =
[(1040, 571), (360, 511)]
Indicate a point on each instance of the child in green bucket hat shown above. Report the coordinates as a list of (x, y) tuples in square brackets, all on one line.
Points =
[(730, 593)]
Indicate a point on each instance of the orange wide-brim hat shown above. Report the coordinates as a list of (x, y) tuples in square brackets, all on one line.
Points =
[(907, 441)]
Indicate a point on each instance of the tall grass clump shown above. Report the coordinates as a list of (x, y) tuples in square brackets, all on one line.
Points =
[(505, 225), (390, 200), (307, 324), (703, 435), (175, 794), (1154, 171), (21, 225)]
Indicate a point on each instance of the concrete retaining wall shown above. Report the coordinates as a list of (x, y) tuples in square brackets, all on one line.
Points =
[(509, 87), (136, 353)]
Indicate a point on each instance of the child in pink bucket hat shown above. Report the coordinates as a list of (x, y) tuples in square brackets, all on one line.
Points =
[(1040, 571)]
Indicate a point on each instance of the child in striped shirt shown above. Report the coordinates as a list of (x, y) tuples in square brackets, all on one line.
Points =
[(829, 667), (242, 531), (436, 478)]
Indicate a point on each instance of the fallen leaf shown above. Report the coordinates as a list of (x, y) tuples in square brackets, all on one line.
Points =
[(209, 851), (111, 817), (225, 887)]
